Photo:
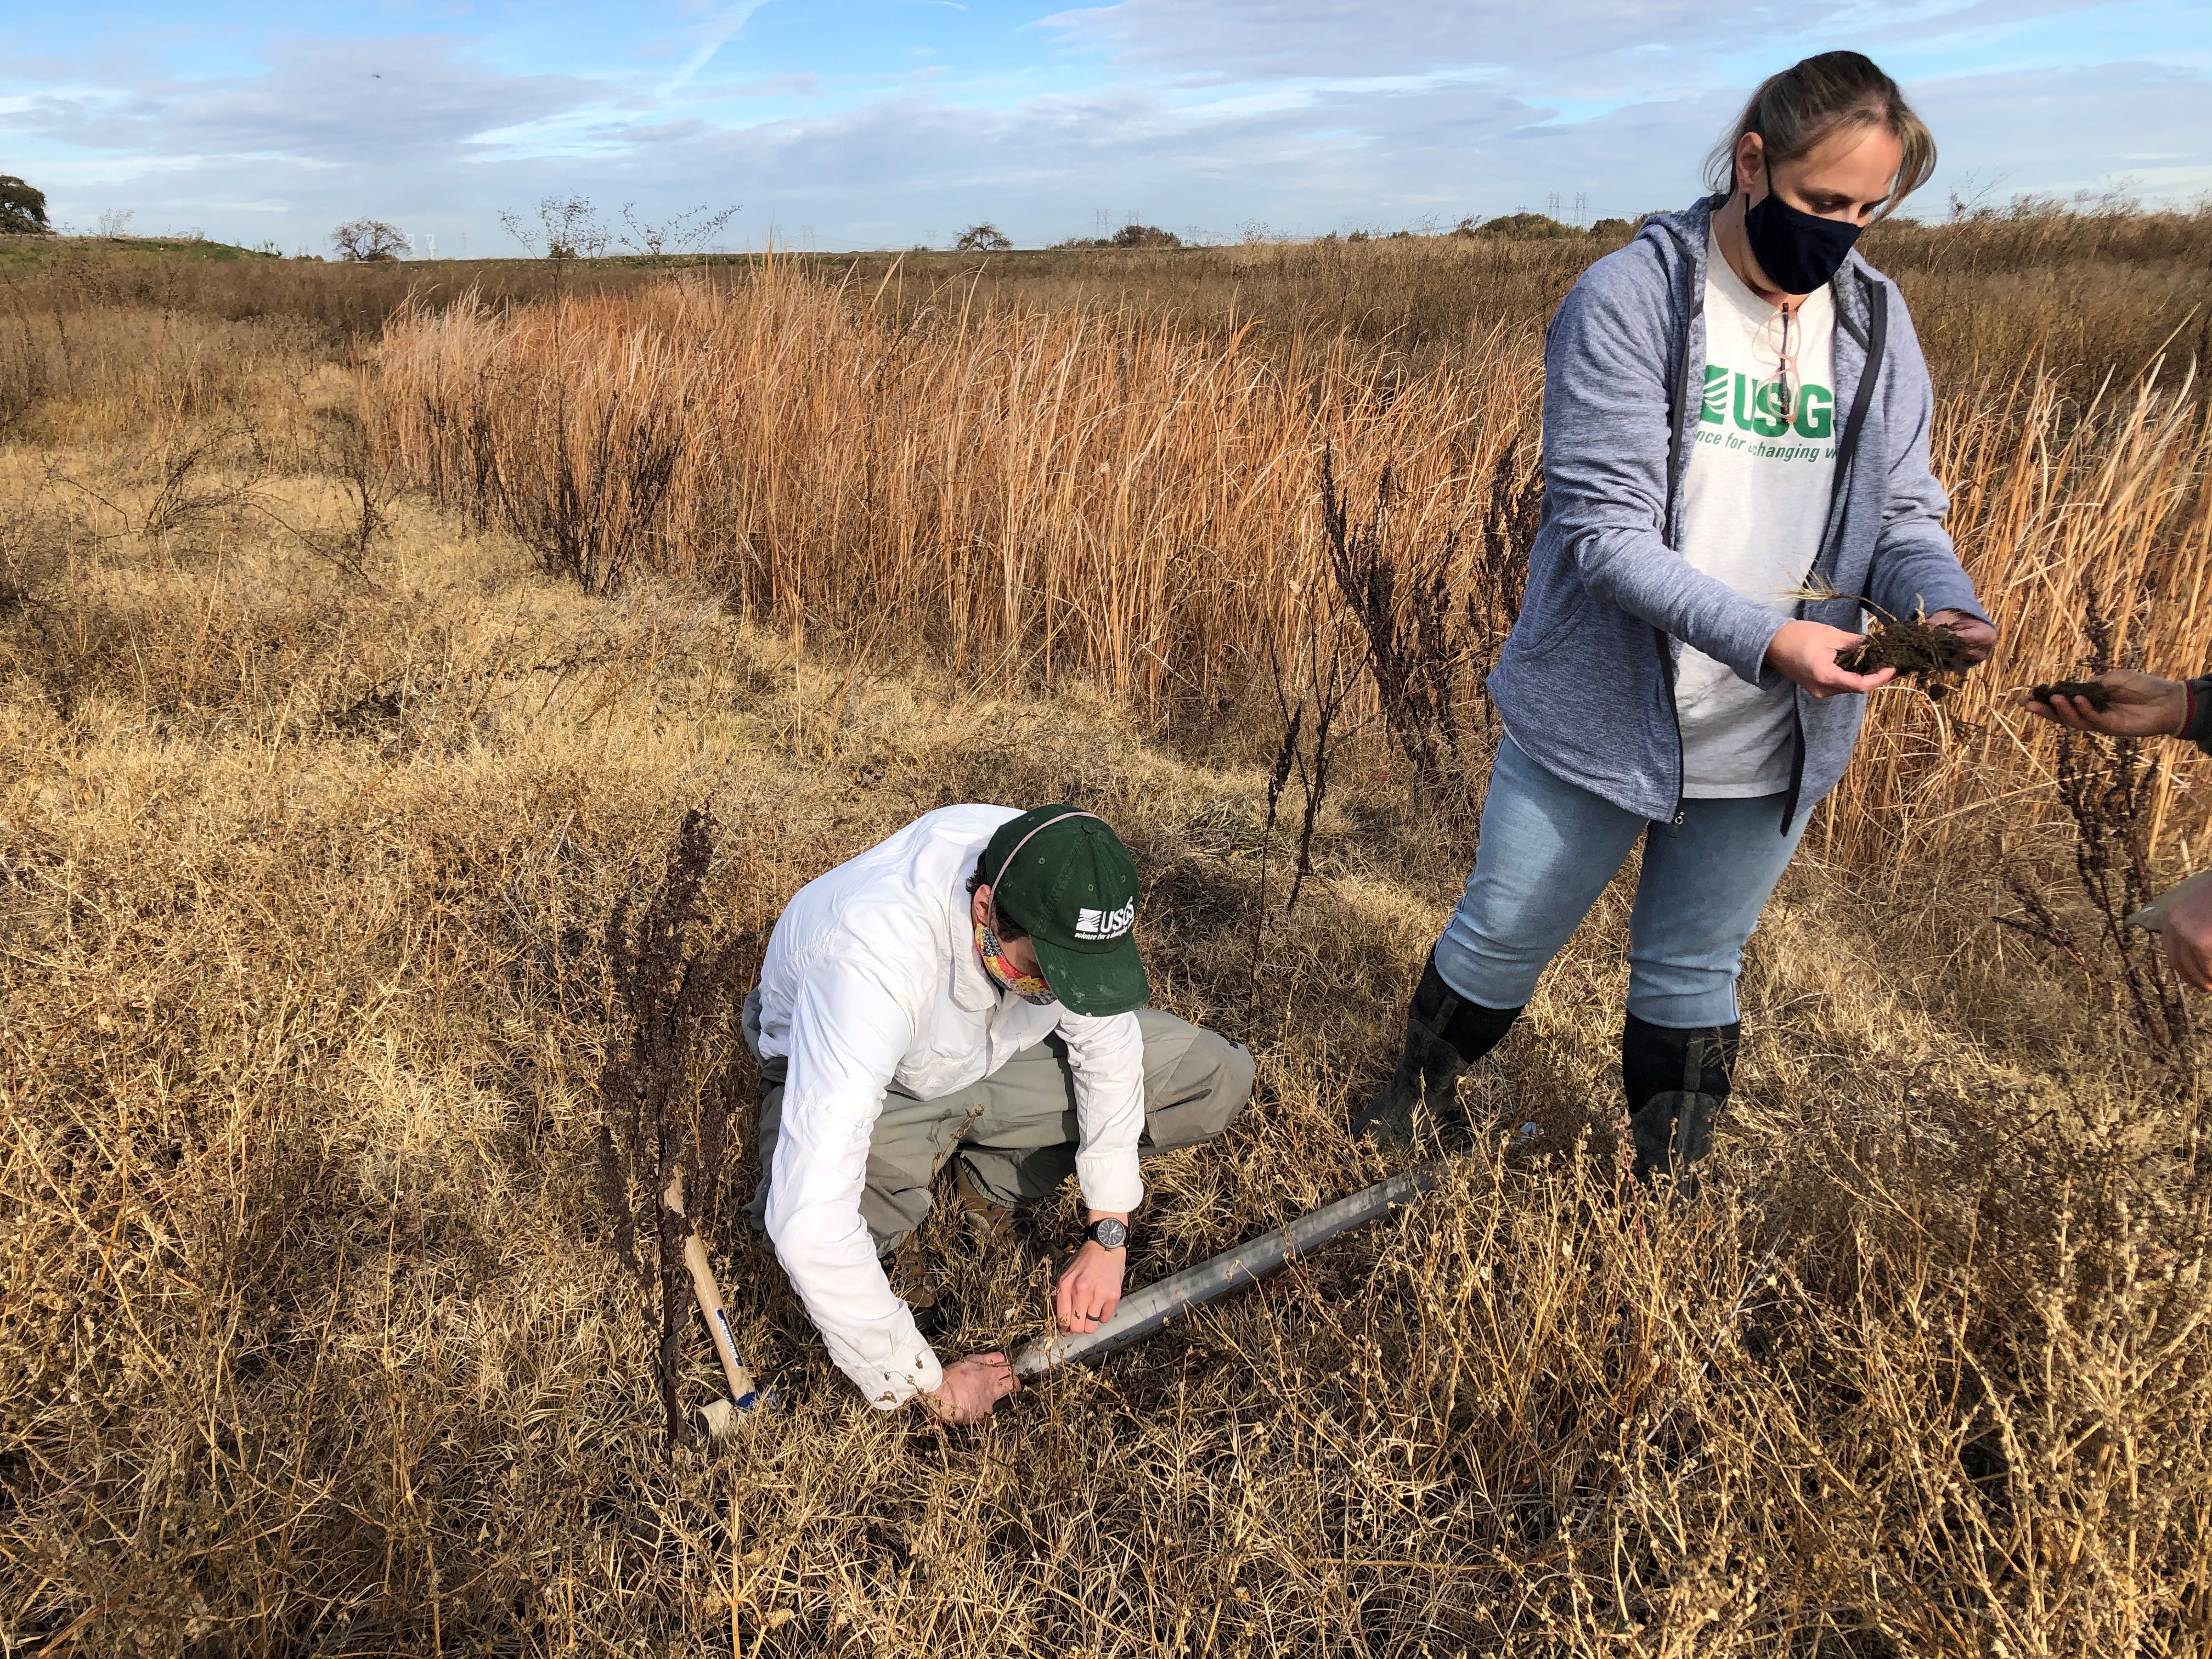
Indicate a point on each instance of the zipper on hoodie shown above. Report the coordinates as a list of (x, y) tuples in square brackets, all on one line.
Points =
[(1874, 344), (1677, 465)]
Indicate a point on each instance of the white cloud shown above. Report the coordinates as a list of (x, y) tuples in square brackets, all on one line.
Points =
[(407, 97), (1376, 115), (724, 28), (2073, 130), (1626, 45)]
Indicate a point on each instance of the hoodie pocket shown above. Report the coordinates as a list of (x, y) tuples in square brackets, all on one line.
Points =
[(1564, 607)]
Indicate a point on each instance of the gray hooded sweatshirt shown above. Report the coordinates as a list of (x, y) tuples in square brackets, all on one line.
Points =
[(1586, 681)]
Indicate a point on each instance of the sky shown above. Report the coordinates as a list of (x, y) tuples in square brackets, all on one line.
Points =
[(862, 123)]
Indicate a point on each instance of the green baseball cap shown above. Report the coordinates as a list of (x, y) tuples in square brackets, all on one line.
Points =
[(1063, 874)]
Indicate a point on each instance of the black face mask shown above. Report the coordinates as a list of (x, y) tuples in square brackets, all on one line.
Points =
[(1797, 250)]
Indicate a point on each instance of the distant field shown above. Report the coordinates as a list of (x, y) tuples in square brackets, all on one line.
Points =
[(366, 632)]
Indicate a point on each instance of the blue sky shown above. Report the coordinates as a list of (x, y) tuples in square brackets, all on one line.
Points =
[(882, 123)]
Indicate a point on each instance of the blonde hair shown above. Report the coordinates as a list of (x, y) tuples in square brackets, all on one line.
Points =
[(1795, 111)]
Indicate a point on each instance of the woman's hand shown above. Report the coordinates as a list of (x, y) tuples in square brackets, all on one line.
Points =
[(970, 1389), (1976, 635), (1090, 1288), (2136, 706), (1805, 652)]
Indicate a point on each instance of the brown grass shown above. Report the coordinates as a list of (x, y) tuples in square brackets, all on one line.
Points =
[(1107, 495), (1128, 497), (311, 1340)]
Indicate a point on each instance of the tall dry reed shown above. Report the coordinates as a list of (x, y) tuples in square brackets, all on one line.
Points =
[(2072, 520), (1104, 493), (1121, 496)]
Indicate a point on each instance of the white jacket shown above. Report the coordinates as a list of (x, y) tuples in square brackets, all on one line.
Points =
[(871, 978)]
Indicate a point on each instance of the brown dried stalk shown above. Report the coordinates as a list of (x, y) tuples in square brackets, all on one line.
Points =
[(667, 1092)]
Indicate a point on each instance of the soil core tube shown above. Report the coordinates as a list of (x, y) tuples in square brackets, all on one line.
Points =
[(1143, 1313)]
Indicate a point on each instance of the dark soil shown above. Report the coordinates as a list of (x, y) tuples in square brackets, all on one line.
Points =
[(2097, 695), (1934, 656)]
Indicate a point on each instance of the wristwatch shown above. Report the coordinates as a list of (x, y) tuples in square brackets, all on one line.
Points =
[(1110, 1234)]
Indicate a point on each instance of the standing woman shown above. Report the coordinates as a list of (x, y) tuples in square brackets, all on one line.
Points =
[(1735, 413)]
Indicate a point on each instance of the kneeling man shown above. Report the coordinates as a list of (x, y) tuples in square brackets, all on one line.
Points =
[(969, 988)]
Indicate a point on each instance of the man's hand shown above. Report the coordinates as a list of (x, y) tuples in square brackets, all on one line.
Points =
[(1806, 652), (2187, 936), (969, 1390), (1090, 1288), (1976, 635), (2136, 706)]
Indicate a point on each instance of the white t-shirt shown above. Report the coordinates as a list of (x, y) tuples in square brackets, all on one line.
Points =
[(1754, 503)]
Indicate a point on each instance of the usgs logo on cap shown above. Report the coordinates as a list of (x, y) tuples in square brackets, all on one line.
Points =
[(1106, 924)]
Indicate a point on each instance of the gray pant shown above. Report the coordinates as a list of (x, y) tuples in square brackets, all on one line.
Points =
[(1015, 1131)]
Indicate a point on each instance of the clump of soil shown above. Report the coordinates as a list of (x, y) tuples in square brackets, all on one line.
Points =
[(2095, 693), (1934, 656)]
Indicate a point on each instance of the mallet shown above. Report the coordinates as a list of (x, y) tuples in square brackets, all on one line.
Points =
[(1144, 1312), (717, 1418)]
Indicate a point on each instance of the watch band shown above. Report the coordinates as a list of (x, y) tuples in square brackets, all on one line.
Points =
[(1108, 1233)]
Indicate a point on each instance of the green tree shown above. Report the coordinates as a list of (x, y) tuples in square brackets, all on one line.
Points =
[(1519, 226), (986, 238), (22, 207)]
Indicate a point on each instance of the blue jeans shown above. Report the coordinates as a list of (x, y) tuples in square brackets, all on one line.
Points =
[(1547, 850)]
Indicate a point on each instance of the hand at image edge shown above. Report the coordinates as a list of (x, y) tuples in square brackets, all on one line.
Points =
[(2186, 937), (2137, 705)]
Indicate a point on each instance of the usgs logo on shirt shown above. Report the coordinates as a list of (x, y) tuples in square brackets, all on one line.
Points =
[(1106, 924), (1754, 405)]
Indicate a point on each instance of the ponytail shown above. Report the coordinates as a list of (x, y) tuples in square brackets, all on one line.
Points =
[(1795, 111)]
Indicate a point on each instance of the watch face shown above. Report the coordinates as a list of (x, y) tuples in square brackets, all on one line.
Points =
[(1111, 1234)]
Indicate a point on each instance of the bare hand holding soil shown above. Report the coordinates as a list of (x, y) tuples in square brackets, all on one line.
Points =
[(1978, 637), (1813, 655), (2120, 703), (1936, 651)]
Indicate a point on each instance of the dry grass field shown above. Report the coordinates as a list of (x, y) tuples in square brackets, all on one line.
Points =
[(364, 642)]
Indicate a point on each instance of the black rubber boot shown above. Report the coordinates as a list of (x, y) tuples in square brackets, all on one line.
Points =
[(1677, 1082), (1445, 1033)]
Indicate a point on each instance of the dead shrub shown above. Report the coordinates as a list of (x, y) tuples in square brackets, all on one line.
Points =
[(672, 1089), (1415, 637), (368, 491)]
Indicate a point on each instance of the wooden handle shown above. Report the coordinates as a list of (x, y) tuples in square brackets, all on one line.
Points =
[(709, 1295)]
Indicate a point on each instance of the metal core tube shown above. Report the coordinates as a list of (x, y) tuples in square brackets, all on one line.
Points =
[(1144, 1312)]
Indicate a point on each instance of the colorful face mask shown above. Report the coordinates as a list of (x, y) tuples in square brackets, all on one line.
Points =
[(1030, 987)]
